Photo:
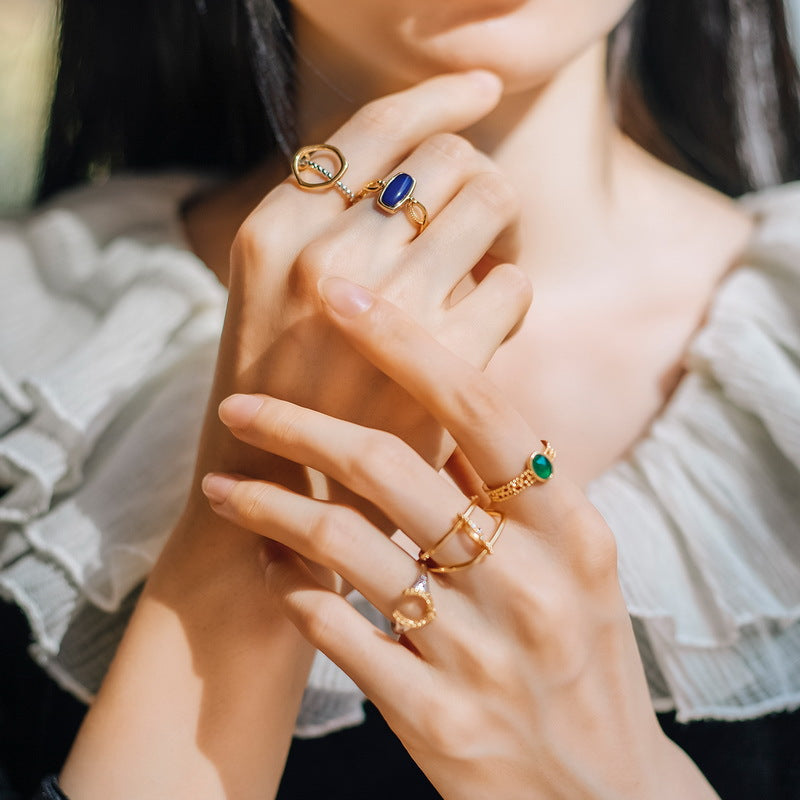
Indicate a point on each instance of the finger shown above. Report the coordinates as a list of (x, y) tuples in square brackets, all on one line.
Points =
[(386, 671), (383, 132), (440, 165), (485, 208), (490, 431), (333, 536), (479, 322), (375, 465)]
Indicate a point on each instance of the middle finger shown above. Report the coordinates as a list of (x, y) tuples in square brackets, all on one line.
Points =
[(375, 465)]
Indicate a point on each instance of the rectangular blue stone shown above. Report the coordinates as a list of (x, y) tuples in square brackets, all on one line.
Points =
[(396, 191)]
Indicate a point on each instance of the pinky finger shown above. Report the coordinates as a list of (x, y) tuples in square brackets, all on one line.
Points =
[(383, 669)]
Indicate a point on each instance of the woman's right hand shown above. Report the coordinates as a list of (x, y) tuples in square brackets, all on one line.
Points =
[(275, 339), (209, 675)]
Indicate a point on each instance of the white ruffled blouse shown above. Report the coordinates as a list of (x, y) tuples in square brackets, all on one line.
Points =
[(108, 333)]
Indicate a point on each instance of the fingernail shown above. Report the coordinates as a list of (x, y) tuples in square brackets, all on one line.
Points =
[(238, 410), (217, 487), (344, 297)]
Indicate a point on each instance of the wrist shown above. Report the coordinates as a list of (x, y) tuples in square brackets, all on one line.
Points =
[(204, 690)]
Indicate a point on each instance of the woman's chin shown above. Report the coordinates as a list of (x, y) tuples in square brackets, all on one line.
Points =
[(523, 57)]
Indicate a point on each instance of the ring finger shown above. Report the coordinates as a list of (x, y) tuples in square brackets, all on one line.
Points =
[(340, 539), (373, 464), (382, 133)]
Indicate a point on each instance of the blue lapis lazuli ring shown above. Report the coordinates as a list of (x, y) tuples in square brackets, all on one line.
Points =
[(396, 193)]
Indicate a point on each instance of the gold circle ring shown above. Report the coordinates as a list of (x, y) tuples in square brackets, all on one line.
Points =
[(303, 160)]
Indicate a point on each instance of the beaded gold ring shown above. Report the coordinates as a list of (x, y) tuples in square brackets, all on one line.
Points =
[(538, 469)]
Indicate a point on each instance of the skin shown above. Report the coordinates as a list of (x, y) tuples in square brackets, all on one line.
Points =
[(549, 164), (514, 689)]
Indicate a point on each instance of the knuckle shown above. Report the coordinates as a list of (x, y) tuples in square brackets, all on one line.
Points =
[(551, 616), (256, 239), (450, 146), (385, 118), (285, 423), (319, 622), (377, 454), (593, 547), (495, 192), (330, 536), (476, 402), (253, 503), (518, 285), (331, 254)]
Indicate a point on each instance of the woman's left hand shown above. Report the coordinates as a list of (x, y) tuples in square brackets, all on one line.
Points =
[(527, 681)]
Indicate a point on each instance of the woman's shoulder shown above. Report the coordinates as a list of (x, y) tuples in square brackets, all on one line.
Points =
[(705, 506)]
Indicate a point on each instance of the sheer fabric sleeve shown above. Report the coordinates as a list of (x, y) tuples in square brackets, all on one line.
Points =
[(109, 329)]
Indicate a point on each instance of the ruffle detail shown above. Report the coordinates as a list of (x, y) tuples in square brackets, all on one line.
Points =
[(706, 508), (110, 330)]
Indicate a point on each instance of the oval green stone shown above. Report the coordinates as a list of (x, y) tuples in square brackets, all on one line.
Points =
[(542, 467)]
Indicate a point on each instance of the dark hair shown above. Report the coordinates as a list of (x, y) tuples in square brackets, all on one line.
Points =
[(710, 86)]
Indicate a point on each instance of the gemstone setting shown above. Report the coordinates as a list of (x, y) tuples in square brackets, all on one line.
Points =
[(541, 466), (398, 190)]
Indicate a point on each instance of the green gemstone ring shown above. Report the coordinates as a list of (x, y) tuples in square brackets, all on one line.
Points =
[(538, 469)]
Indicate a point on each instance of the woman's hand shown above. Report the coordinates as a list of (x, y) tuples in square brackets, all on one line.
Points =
[(180, 695), (527, 682), (276, 341)]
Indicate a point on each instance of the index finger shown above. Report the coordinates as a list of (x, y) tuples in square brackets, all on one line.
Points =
[(489, 430), (384, 131)]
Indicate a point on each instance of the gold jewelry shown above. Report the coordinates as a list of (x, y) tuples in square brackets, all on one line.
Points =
[(303, 160), (464, 524), (397, 192), (539, 469), (421, 589)]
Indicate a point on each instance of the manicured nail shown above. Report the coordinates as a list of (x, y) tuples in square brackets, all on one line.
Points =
[(238, 410), (346, 298), (217, 487)]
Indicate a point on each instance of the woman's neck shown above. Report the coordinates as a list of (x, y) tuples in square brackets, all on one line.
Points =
[(589, 195), (557, 143)]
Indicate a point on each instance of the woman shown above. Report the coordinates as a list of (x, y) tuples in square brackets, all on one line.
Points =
[(653, 246)]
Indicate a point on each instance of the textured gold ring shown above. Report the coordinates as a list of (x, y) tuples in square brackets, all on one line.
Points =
[(396, 193), (303, 160), (465, 524), (419, 589), (538, 469)]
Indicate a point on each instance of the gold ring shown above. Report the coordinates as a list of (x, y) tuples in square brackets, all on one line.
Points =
[(395, 193), (421, 589), (303, 160), (538, 469), (464, 524)]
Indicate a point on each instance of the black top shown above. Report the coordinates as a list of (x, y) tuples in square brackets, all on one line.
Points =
[(753, 760)]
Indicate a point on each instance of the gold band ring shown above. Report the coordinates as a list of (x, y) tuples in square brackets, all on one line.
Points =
[(303, 160), (395, 193), (464, 524), (421, 589), (538, 469)]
